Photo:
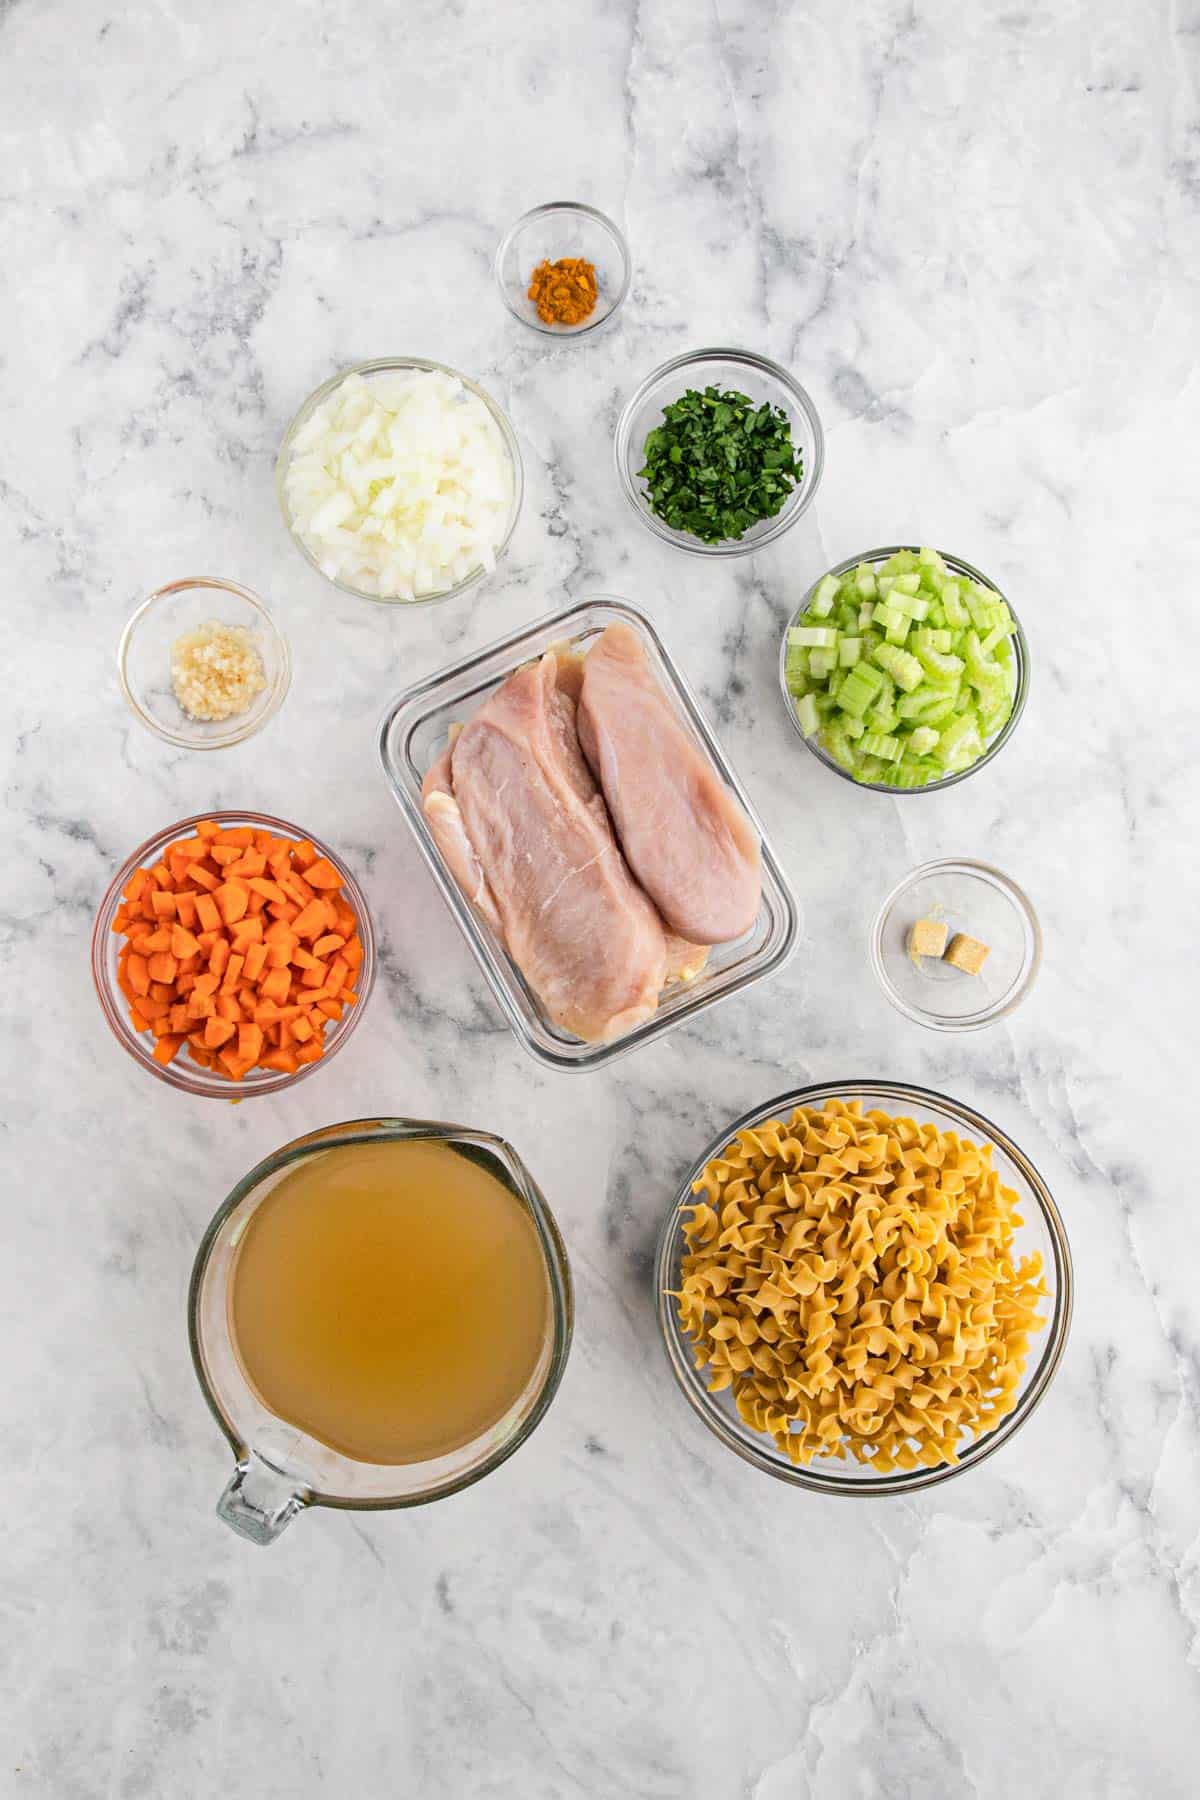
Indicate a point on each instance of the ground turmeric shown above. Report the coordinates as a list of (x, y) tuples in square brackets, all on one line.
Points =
[(564, 292)]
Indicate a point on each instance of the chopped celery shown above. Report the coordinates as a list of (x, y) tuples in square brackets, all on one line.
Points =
[(813, 637), (903, 672), (903, 667), (806, 713), (822, 601)]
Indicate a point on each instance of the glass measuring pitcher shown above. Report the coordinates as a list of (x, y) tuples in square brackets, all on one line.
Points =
[(280, 1469)]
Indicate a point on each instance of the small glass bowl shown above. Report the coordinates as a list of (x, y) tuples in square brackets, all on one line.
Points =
[(969, 897), (184, 1074), (755, 376), (957, 566), (1042, 1230), (391, 365), (563, 228), (144, 660)]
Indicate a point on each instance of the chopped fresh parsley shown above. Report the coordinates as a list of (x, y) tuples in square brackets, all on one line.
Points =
[(718, 464)]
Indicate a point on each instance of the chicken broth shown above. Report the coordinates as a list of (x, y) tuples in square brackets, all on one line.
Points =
[(390, 1300)]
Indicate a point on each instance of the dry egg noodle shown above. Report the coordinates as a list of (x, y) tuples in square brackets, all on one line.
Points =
[(851, 1280)]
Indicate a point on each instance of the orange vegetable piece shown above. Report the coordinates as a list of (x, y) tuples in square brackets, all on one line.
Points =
[(185, 909), (206, 912), (183, 943), (275, 985), (217, 1032), (311, 922), (201, 877), (256, 958), (250, 1043), (163, 904), (322, 874), (208, 828), (167, 1047), (138, 974), (163, 966), (232, 898), (233, 970), (302, 853)]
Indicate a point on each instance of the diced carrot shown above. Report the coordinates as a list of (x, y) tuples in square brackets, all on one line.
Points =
[(208, 983), (232, 1063), (224, 854), (138, 974), (163, 966), (287, 910), (228, 1007), (256, 957), (163, 904), (242, 835), (208, 828), (219, 957), (311, 921), (180, 1019), (183, 943), (232, 899), (161, 874), (201, 1006), (331, 1008), (185, 982), (257, 904), (136, 885), (315, 977), (312, 1051), (201, 877), (158, 939), (325, 946), (217, 1032), (322, 874), (152, 1009), (185, 909), (250, 1043), (167, 1048), (304, 959), (247, 931), (206, 912), (233, 970), (303, 853), (275, 985), (250, 862), (136, 1019), (199, 1055), (162, 990), (270, 890), (189, 965), (301, 1029), (339, 974), (283, 1060)]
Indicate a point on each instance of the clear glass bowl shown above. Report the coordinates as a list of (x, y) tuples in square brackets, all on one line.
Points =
[(1042, 1231), (755, 376), (1020, 659), (281, 1470), (183, 1073), (563, 228), (969, 897), (413, 733), (389, 365), (144, 660)]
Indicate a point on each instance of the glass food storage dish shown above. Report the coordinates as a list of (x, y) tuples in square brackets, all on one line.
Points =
[(965, 896), (956, 566), (144, 660), (281, 1470), (187, 1076), (392, 365), (414, 732), (563, 228), (1042, 1231), (762, 381)]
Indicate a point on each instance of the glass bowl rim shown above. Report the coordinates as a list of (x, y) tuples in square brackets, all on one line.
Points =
[(793, 509), (585, 328), (279, 686), (554, 1256), (379, 365), (1020, 693), (1017, 897), (203, 1084), (811, 1476)]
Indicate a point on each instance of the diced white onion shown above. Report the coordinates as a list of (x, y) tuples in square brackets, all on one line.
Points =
[(401, 485)]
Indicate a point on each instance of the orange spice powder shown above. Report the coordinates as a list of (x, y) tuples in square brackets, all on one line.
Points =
[(564, 292)]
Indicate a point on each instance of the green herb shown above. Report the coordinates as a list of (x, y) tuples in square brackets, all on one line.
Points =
[(718, 464)]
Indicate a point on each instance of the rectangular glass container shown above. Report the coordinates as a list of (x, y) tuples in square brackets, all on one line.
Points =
[(413, 734)]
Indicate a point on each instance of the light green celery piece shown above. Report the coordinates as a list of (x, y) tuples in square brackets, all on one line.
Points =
[(882, 744), (901, 665), (913, 606), (909, 582), (901, 562), (856, 695), (909, 773), (884, 614), (814, 637), (924, 638), (835, 741), (836, 678), (852, 727), (824, 705), (960, 744), (820, 662), (884, 585), (798, 685), (883, 716), (935, 618), (824, 595), (866, 613), (944, 709), (849, 651), (922, 739), (807, 717), (797, 658), (939, 667), (897, 631), (864, 580), (994, 639), (872, 768), (929, 559), (953, 606)]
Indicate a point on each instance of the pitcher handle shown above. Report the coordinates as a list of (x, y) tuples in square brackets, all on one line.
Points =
[(259, 1500)]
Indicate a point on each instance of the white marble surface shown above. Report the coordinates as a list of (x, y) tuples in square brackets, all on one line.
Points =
[(973, 232)]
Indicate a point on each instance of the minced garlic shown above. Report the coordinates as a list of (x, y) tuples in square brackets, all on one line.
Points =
[(216, 670)]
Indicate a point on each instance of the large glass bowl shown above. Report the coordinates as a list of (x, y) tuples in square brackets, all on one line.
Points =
[(563, 228), (957, 566), (189, 1077), (761, 380), (1042, 1231), (391, 365)]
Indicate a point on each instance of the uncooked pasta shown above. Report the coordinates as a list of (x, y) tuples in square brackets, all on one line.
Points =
[(851, 1279)]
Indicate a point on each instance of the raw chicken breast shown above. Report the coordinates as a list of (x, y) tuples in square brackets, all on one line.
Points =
[(581, 931), (684, 960), (445, 818), (686, 838)]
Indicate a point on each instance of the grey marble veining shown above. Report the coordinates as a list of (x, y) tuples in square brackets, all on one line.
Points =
[(974, 234)]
